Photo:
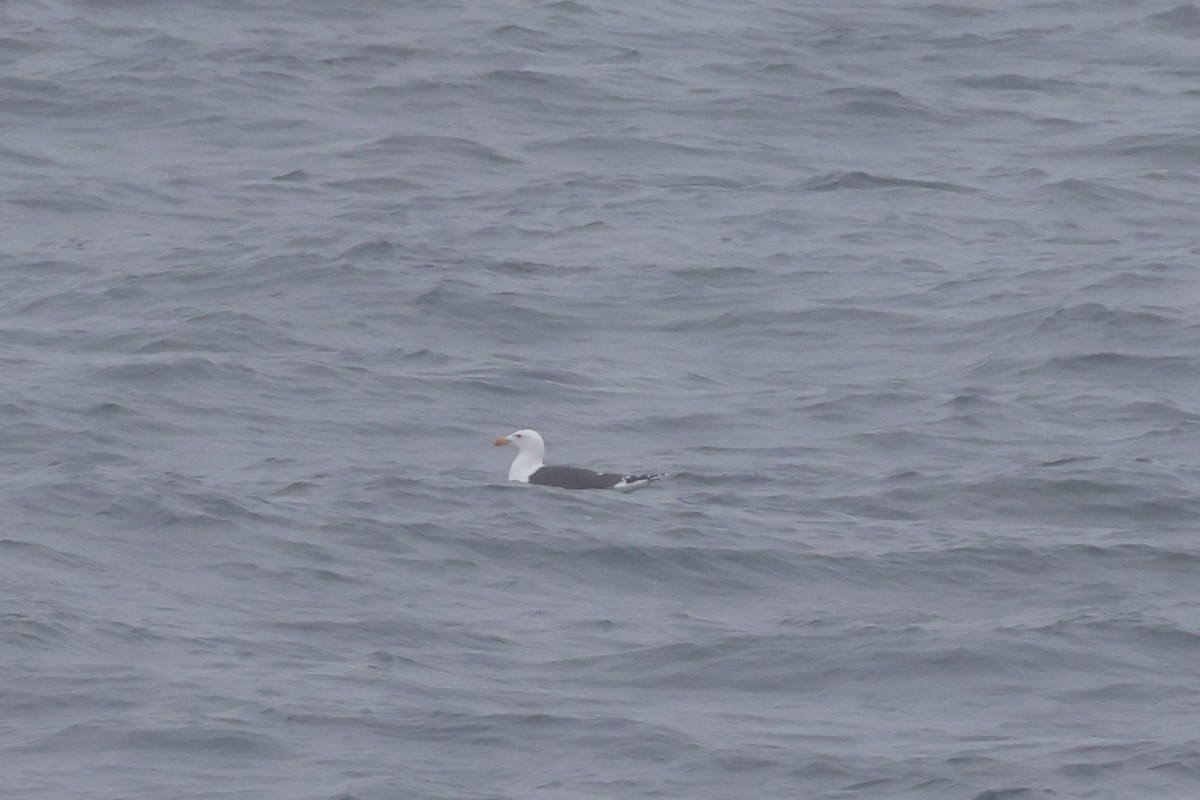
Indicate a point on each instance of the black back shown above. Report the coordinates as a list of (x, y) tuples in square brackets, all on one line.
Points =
[(575, 478)]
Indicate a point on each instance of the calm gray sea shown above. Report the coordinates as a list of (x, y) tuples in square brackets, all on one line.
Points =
[(904, 294)]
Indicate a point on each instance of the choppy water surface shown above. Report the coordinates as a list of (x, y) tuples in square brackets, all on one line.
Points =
[(903, 294)]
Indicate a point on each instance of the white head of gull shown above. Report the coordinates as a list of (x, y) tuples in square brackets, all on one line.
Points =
[(531, 449)]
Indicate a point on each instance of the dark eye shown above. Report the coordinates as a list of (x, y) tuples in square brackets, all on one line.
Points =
[(518, 436)]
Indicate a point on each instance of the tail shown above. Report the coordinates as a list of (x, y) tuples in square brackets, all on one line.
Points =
[(631, 483)]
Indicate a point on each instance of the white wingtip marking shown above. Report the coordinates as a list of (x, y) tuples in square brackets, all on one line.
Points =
[(638, 482)]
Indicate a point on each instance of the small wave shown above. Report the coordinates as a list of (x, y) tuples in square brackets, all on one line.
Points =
[(1183, 20), (1124, 320), (838, 181), (1012, 82), (883, 104), (1181, 150), (210, 740), (455, 146)]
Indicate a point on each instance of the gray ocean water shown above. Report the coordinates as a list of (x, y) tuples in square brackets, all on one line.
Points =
[(904, 295)]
